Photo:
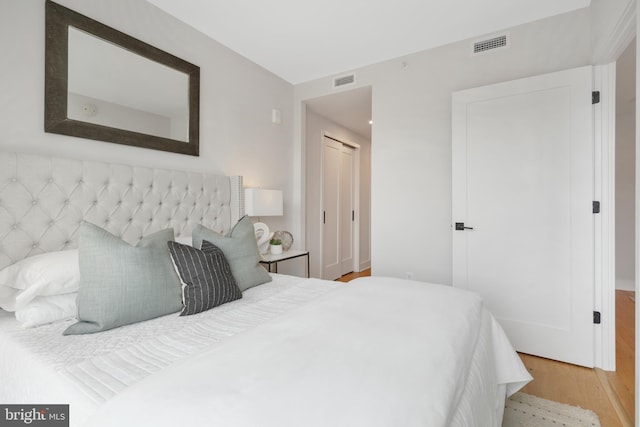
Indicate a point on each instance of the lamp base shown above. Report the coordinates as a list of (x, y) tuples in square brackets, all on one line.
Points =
[(263, 236)]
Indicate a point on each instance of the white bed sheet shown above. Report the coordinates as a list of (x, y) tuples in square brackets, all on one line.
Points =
[(41, 365)]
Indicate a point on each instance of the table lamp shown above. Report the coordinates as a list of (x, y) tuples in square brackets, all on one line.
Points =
[(259, 202)]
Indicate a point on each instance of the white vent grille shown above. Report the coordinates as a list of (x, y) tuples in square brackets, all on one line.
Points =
[(344, 80), (495, 42)]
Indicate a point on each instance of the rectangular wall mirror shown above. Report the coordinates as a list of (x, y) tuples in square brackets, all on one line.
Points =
[(104, 85)]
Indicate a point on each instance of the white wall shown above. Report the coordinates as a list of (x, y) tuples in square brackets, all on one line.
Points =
[(315, 126), (625, 168), (236, 99), (119, 116), (180, 126), (411, 142), (625, 200)]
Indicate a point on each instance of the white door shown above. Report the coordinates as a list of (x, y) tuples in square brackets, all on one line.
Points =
[(346, 209), (331, 185), (523, 181), (338, 209)]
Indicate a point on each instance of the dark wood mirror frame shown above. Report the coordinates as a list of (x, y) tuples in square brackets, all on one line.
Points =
[(58, 19)]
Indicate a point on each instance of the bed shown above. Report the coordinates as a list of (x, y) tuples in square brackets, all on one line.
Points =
[(290, 351)]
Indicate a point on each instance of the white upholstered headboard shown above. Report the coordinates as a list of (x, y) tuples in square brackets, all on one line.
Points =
[(44, 199)]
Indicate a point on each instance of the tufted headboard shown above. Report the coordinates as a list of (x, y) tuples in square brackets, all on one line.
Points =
[(44, 199)]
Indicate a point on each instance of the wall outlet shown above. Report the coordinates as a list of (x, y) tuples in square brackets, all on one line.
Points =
[(409, 275)]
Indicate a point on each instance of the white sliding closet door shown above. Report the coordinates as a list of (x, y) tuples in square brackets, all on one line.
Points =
[(331, 186), (338, 167), (346, 209)]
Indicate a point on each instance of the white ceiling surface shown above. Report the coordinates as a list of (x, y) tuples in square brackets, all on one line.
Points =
[(304, 40), (351, 109)]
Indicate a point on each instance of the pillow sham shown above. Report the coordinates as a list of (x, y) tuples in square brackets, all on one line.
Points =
[(185, 240), (241, 251), (122, 284), (52, 273), (206, 277), (43, 310)]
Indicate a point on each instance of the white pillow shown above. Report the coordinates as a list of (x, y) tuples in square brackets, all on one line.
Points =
[(184, 240), (53, 273), (43, 310)]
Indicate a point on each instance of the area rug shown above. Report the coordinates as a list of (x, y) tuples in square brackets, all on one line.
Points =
[(524, 410)]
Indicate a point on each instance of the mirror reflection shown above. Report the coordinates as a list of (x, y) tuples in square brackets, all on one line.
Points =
[(105, 85), (104, 90)]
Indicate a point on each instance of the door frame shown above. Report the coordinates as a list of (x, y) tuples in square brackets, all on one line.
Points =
[(604, 125), (356, 201), (604, 55)]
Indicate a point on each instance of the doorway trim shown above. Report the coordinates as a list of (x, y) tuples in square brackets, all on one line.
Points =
[(605, 53), (604, 125), (356, 201), (618, 38)]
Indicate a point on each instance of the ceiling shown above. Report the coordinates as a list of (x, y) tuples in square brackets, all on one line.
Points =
[(301, 41), (304, 40), (351, 109)]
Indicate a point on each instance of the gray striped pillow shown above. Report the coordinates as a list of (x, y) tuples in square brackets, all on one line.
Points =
[(206, 277)]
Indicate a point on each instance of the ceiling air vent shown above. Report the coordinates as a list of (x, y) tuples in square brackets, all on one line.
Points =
[(500, 41), (344, 80)]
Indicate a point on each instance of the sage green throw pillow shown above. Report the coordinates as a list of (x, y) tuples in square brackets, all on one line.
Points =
[(122, 284), (241, 251)]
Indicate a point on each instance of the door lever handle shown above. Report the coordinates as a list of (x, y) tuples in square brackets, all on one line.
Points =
[(460, 226)]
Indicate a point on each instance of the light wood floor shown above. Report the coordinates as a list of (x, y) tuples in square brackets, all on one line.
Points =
[(351, 276), (609, 394), (622, 380)]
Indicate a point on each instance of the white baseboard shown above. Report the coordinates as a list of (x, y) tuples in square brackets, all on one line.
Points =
[(625, 285), (364, 265)]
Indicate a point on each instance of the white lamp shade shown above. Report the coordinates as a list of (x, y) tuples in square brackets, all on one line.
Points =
[(261, 202)]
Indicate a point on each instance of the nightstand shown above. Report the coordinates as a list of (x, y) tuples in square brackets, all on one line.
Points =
[(271, 259)]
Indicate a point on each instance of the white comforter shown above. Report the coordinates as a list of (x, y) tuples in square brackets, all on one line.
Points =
[(376, 352)]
